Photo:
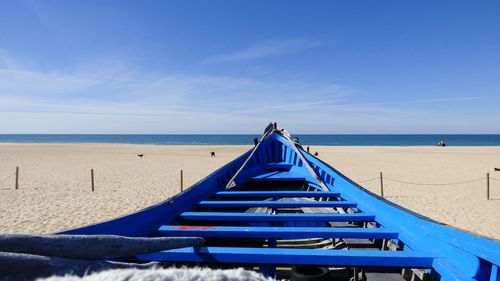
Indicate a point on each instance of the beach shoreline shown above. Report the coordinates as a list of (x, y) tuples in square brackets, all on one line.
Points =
[(244, 139), (54, 186)]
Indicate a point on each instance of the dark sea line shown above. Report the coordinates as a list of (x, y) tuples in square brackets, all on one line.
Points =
[(306, 139)]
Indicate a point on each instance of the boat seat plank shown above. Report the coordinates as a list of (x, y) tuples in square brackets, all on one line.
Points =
[(278, 204), (233, 216), (277, 232), (279, 166), (279, 176), (308, 194), (284, 256)]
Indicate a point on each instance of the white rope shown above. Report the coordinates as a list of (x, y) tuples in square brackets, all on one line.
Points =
[(268, 132), (368, 180), (435, 184), (8, 177), (306, 164)]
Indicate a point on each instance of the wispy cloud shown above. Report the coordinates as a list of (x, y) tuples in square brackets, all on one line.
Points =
[(415, 101), (266, 49), (107, 97), (176, 102)]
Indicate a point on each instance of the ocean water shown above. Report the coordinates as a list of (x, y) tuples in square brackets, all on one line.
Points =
[(340, 140)]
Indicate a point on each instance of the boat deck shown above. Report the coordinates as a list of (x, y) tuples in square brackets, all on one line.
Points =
[(278, 209), (279, 228)]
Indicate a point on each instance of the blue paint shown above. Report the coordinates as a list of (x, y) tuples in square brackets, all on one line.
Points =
[(294, 256), (281, 194), (277, 204), (229, 216), (448, 253), (416, 231), (495, 275), (277, 232)]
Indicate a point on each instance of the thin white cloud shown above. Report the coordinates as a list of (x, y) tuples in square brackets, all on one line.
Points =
[(118, 95), (266, 49), (115, 98), (417, 101)]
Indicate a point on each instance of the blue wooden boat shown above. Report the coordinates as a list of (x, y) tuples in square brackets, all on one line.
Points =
[(280, 210)]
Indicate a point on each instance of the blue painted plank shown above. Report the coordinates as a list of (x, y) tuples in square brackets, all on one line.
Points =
[(229, 216), (277, 194), (279, 166), (277, 232), (280, 176), (284, 256), (449, 271), (494, 276), (278, 204)]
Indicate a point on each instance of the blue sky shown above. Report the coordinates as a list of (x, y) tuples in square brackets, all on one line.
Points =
[(233, 66)]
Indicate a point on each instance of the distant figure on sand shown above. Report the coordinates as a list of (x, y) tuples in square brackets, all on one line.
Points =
[(497, 169), (316, 153), (441, 143), (140, 155), (212, 154), (308, 149)]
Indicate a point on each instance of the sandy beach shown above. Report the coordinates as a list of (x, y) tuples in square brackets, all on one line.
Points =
[(55, 194)]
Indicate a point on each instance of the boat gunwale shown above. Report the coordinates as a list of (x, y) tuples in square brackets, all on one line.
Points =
[(418, 215)]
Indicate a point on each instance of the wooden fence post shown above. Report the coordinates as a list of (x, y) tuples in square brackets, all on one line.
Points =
[(487, 186), (182, 181), (17, 177), (92, 179), (381, 185)]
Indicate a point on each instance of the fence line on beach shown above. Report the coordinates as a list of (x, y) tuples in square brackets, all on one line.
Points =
[(93, 180), (436, 184), (6, 178), (16, 174), (429, 184), (368, 180), (382, 178)]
